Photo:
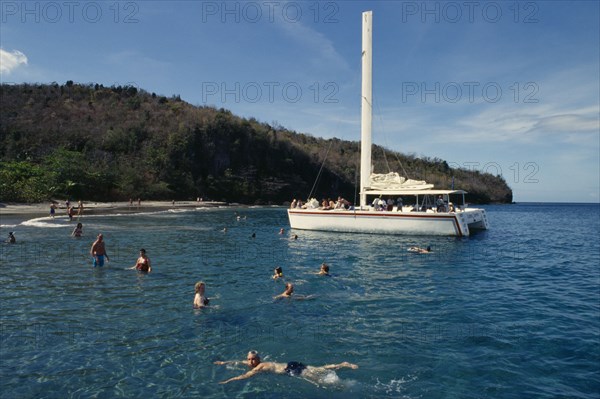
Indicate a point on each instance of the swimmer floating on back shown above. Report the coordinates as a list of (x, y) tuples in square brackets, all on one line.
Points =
[(311, 373)]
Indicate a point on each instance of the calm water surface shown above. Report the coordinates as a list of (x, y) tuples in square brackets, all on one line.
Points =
[(512, 312)]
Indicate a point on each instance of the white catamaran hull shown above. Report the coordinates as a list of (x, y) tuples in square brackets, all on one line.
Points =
[(383, 222)]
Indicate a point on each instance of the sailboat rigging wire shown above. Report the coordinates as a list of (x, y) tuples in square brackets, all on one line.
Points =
[(380, 117), (320, 170)]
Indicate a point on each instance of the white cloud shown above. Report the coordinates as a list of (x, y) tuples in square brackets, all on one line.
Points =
[(11, 60)]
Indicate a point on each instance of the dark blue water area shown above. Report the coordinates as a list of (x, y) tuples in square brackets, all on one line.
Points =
[(511, 312)]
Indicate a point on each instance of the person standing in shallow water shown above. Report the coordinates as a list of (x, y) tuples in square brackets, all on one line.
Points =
[(298, 369), (98, 251), (77, 231), (143, 262)]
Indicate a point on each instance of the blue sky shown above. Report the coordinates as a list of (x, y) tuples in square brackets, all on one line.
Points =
[(511, 88)]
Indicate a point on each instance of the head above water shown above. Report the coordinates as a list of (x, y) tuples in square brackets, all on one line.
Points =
[(253, 358), (199, 287), (325, 267), (278, 270)]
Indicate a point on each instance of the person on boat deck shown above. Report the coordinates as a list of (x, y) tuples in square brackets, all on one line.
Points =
[(325, 205), (143, 262), (390, 204), (312, 373), (200, 300), (293, 204), (299, 204), (441, 205), (451, 207), (399, 204), (278, 273), (379, 204), (289, 290)]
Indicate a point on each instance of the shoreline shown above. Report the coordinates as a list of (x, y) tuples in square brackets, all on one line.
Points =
[(98, 208)]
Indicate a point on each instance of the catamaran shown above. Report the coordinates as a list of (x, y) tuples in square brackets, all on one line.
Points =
[(429, 211)]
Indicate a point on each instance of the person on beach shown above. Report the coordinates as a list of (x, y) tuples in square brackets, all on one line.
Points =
[(278, 273), (324, 271), (98, 251), (297, 369), (52, 210), (289, 290), (79, 209), (77, 231), (11, 238), (143, 263), (200, 300)]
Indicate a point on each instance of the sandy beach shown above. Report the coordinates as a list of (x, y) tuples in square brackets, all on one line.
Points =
[(95, 208)]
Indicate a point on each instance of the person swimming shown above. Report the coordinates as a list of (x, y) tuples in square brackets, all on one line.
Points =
[(324, 271), (200, 300), (289, 290), (278, 273), (294, 368), (313, 374), (11, 238), (420, 250)]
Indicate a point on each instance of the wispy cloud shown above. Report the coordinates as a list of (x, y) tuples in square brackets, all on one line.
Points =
[(322, 48), (11, 60)]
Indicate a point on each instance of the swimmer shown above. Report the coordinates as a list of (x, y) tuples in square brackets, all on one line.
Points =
[(295, 237), (224, 230), (200, 300), (420, 250), (77, 231), (98, 251), (143, 263), (253, 235), (281, 231), (289, 290), (278, 273), (311, 373), (11, 238), (324, 271)]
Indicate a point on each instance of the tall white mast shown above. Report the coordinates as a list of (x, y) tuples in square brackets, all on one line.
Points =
[(366, 105)]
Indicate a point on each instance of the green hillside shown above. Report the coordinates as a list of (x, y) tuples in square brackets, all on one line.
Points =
[(114, 143)]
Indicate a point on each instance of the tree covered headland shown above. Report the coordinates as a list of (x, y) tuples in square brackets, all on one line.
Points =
[(101, 143)]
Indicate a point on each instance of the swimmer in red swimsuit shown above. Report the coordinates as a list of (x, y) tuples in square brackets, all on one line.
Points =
[(143, 262)]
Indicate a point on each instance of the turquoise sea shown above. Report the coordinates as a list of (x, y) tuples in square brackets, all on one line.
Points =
[(512, 312)]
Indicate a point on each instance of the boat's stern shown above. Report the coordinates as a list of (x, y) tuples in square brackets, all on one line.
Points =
[(472, 219)]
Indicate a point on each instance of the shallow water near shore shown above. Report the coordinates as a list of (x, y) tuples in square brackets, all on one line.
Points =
[(511, 312)]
